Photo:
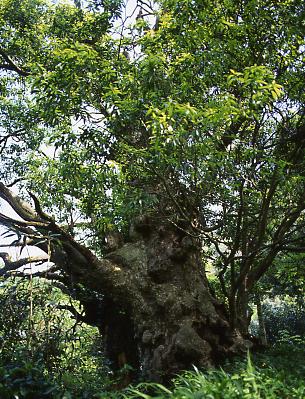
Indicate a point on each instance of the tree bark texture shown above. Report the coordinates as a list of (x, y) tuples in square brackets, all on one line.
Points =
[(166, 320), (153, 304), (261, 322)]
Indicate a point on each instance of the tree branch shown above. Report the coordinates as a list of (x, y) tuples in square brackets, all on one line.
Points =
[(55, 280), (14, 223), (292, 248), (39, 210), (10, 265), (76, 315), (10, 65), (277, 242), (72, 257), (21, 207)]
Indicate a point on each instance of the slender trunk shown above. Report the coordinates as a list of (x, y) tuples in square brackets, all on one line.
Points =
[(243, 310), (261, 323)]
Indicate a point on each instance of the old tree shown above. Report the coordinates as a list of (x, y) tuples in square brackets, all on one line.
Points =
[(147, 151)]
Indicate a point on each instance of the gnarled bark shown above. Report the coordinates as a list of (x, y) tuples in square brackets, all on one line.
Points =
[(153, 304), (169, 320)]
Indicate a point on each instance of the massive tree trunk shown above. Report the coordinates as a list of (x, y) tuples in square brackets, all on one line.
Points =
[(153, 304), (167, 320)]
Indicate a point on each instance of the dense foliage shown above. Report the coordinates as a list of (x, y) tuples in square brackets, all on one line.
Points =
[(242, 380), (177, 133), (199, 117), (67, 364), (44, 350)]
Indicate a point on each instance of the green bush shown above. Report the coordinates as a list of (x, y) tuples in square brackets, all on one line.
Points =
[(27, 381), (238, 380), (283, 317), (63, 357), (64, 360)]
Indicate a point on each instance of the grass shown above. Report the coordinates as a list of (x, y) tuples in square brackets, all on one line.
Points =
[(278, 373), (250, 383)]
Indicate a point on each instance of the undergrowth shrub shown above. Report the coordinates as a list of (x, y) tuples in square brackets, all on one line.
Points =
[(238, 380), (47, 355), (283, 317), (26, 380)]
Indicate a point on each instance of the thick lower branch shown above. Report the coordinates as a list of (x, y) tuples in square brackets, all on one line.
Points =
[(62, 249), (10, 265)]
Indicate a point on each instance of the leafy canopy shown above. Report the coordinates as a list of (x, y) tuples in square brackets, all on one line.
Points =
[(199, 116)]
